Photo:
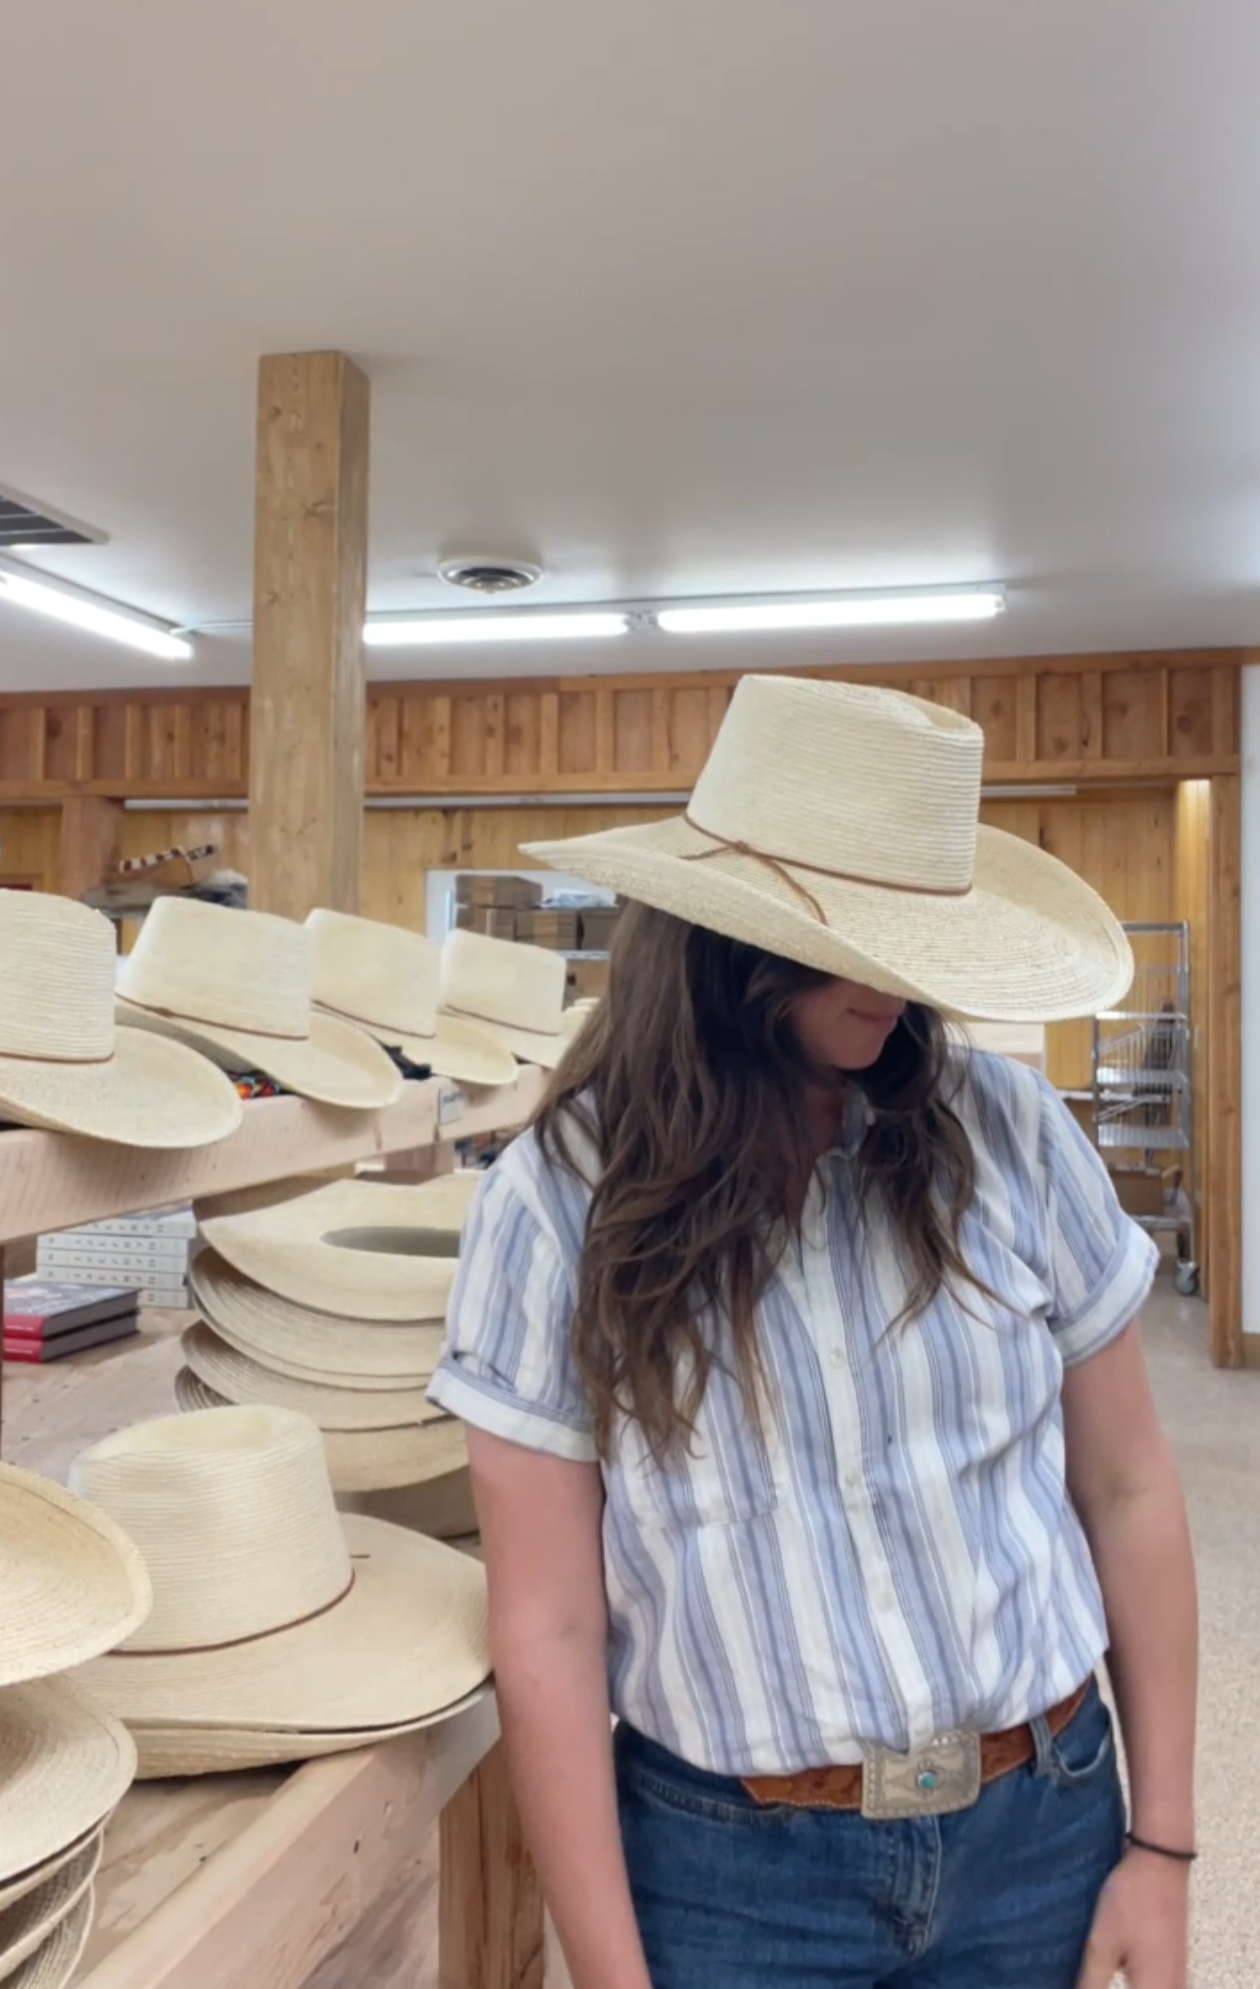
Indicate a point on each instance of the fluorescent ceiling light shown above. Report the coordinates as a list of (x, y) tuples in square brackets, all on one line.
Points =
[(95, 616), (951, 604), (431, 631)]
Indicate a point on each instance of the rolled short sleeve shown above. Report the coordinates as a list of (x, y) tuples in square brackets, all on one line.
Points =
[(507, 1365), (1102, 1263)]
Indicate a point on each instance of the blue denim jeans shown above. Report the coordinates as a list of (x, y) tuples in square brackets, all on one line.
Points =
[(1000, 1896)]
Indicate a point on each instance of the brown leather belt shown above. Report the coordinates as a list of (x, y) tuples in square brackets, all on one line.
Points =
[(843, 1787)]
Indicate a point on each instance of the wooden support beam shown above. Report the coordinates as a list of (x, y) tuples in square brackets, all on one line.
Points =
[(1223, 1132), (90, 842), (310, 590), (490, 1915)]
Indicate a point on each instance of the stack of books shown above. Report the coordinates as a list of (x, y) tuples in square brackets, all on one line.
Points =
[(44, 1321), (149, 1251)]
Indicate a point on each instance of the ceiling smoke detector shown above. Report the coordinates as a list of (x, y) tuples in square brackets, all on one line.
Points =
[(490, 576)]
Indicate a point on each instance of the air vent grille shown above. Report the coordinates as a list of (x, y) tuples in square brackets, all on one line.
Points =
[(22, 525)]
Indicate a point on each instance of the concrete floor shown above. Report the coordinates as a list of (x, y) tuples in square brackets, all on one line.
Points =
[(1213, 1420)]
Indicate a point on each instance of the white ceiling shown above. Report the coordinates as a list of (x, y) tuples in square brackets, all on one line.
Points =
[(678, 296)]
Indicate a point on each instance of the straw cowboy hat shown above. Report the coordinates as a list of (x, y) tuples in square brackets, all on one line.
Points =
[(173, 1749), (270, 1609), (237, 1378), (443, 1508), (26, 1926), (305, 1345), (65, 1765), (54, 1961), (71, 1583), (33, 1877), (361, 1249), (237, 986), (359, 1460), (386, 981), (64, 1066), (514, 991), (836, 825)]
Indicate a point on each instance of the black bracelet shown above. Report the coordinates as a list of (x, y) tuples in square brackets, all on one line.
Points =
[(1162, 1850)]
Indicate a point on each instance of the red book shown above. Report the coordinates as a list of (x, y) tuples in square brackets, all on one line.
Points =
[(34, 1348)]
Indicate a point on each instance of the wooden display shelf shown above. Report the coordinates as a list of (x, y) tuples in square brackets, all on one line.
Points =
[(252, 1879), (49, 1181)]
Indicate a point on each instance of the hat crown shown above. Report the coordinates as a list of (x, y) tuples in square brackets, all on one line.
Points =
[(57, 990), (503, 981), (383, 975), (233, 969), (848, 780), (234, 1515)]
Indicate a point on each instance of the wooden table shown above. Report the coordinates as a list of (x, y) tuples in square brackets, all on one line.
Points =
[(287, 1877)]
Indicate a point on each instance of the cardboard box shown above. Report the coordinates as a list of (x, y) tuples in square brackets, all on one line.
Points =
[(587, 977), (495, 924), (1141, 1192), (500, 891), (559, 930), (598, 927)]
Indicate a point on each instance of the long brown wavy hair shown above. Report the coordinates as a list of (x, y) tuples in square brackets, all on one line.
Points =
[(690, 1082)]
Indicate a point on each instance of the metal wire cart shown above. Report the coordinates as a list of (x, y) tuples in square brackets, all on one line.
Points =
[(1142, 1089)]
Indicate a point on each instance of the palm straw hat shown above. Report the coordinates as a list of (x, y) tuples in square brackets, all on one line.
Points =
[(361, 1249), (173, 1749), (443, 1507), (26, 1881), (237, 1378), (54, 1962), (64, 1066), (836, 825), (514, 991), (306, 1345), (237, 986), (71, 1582), (385, 980), (269, 1608), (359, 1460), (25, 1926), (65, 1764)]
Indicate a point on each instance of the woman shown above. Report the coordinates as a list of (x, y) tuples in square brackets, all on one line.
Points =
[(808, 1422)]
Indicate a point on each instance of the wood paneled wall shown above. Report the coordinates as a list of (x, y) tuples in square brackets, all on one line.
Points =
[(1190, 899), (1080, 718)]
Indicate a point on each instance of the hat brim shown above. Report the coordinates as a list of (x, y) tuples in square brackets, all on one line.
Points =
[(152, 1093), (527, 1046), (56, 1959), (26, 1882), (463, 1051), (336, 1064), (177, 1750), (1029, 942), (65, 1764), (74, 1584), (239, 1378), (25, 1926), (288, 1247), (362, 1460), (306, 1345), (410, 1637)]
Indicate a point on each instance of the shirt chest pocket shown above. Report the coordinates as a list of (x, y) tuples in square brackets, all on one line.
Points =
[(729, 1474)]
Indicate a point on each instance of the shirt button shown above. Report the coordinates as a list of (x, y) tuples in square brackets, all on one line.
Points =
[(836, 1357)]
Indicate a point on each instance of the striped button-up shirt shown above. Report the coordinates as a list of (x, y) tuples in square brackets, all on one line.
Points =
[(899, 1556)]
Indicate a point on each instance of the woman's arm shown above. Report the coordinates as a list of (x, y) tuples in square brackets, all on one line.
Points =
[(541, 1526), (1124, 1484)]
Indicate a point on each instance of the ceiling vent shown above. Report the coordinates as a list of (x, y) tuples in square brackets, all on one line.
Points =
[(490, 576), (23, 526)]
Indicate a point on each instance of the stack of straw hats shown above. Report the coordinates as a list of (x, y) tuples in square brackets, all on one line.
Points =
[(239, 988), (513, 991), (331, 1304), (65, 1067), (280, 1629), (387, 981), (71, 1586)]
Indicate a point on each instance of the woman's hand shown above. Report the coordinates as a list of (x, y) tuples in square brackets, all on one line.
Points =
[(1141, 1925)]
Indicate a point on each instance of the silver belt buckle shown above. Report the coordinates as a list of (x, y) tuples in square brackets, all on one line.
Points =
[(939, 1778)]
